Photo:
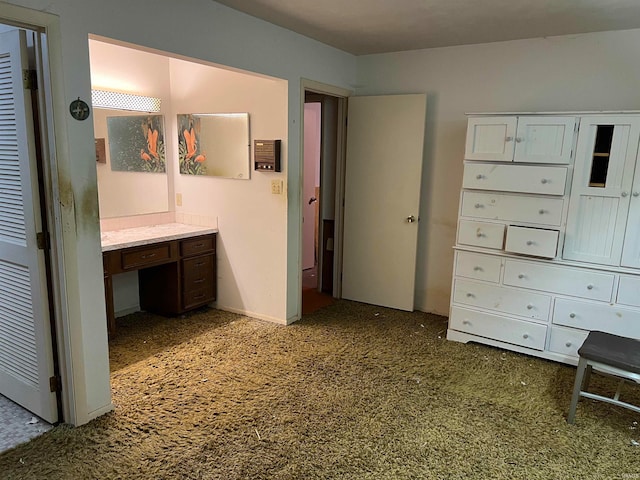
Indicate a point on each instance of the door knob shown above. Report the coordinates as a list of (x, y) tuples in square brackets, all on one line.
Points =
[(411, 219), (312, 199)]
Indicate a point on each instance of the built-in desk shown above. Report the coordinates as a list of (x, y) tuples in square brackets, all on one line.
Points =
[(176, 266)]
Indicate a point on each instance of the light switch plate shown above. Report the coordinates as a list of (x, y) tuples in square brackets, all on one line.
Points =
[(276, 187)]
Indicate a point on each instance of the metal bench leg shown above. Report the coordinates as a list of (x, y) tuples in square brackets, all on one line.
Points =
[(577, 387)]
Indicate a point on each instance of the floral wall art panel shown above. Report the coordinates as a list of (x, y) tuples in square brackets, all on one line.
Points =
[(136, 143)]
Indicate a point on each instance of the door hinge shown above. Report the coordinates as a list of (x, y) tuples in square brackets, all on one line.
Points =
[(29, 79), (54, 384), (42, 240)]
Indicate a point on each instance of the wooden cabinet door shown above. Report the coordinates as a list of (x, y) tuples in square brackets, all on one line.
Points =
[(605, 163), (544, 139), (490, 138)]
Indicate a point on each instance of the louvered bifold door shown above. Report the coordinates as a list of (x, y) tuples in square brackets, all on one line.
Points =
[(26, 359)]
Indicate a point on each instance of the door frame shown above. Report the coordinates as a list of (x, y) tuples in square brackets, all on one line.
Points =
[(51, 100), (342, 94)]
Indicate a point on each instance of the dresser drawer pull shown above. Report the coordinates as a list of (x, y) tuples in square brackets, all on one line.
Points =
[(519, 139), (198, 297), (572, 315), (200, 280), (568, 344), (479, 233), (508, 139), (542, 211), (470, 295), (529, 307), (590, 287), (198, 245), (477, 269), (479, 205), (479, 176), (544, 181), (521, 275), (525, 336), (148, 255), (199, 264), (466, 322), (530, 242)]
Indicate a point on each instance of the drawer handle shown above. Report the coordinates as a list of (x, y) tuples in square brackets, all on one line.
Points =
[(198, 297), (589, 287), (479, 233), (469, 295), (148, 255), (525, 336), (477, 269), (529, 307), (479, 176), (466, 322), (200, 280), (623, 194), (508, 139), (199, 264), (479, 205), (519, 139), (542, 211), (544, 180), (521, 275), (530, 242), (572, 315), (568, 344), (635, 194), (198, 245)]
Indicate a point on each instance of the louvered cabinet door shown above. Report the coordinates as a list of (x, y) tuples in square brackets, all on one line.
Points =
[(26, 358)]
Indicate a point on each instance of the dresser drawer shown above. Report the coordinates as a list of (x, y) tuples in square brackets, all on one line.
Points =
[(559, 279), (515, 178), (481, 234), (198, 270), (593, 316), (478, 266), (198, 297), (532, 241), (517, 332), (512, 208), (139, 257), (566, 341), (629, 290), (508, 300), (198, 245)]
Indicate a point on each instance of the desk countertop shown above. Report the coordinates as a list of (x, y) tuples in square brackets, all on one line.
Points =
[(133, 237)]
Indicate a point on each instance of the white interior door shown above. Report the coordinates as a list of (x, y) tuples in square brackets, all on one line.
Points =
[(312, 119), (26, 358), (385, 138)]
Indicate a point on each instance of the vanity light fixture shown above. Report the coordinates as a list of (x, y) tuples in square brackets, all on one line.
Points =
[(124, 101)]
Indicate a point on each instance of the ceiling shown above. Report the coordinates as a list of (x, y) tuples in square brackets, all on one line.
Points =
[(365, 27)]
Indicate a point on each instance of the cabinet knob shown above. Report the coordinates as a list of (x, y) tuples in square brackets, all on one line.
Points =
[(544, 180), (477, 269), (529, 242), (525, 336), (479, 176), (519, 139), (469, 295), (541, 211), (479, 234), (521, 275), (508, 139), (589, 287), (529, 307), (624, 194), (478, 205), (572, 315), (635, 194), (466, 322)]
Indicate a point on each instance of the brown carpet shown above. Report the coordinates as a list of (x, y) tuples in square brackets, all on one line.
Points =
[(351, 392)]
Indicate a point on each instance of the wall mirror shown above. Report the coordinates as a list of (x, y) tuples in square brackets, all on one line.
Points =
[(129, 191), (214, 144)]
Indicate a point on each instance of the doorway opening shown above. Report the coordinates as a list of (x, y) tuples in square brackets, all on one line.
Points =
[(321, 199)]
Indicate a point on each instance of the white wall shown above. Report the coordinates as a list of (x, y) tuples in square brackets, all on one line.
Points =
[(200, 29), (598, 71)]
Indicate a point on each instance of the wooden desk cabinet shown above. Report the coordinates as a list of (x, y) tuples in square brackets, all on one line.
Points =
[(174, 276)]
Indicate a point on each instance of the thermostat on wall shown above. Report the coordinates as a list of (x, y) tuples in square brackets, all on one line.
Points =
[(266, 154)]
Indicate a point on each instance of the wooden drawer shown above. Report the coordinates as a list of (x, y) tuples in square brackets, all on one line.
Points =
[(481, 234), (198, 297), (509, 330), (512, 208), (566, 341), (198, 271), (577, 282), (515, 178), (593, 316), (140, 257), (532, 241), (629, 290), (478, 266), (502, 299), (198, 245)]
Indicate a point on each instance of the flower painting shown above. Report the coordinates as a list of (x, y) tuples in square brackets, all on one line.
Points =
[(190, 156), (136, 143)]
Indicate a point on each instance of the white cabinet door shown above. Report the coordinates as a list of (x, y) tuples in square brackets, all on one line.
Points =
[(605, 161), (544, 139), (631, 245), (490, 138)]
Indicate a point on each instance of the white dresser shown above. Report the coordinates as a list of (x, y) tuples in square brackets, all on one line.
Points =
[(548, 242)]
